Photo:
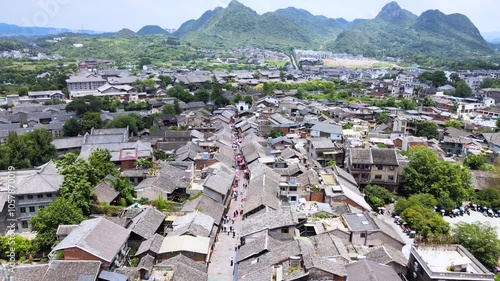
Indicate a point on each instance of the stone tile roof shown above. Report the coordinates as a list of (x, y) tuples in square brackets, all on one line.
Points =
[(169, 178), (184, 268), (206, 205), (88, 236), (153, 244), (45, 180), (329, 245), (196, 224), (268, 220), (147, 222), (262, 191), (366, 270), (386, 254), (105, 192), (59, 271), (258, 246)]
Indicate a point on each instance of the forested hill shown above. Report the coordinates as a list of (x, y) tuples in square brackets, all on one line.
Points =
[(394, 32)]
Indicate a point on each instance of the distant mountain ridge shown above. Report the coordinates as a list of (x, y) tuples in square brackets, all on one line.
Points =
[(393, 32), (15, 30)]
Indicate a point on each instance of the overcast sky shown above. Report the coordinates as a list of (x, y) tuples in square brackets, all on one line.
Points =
[(112, 15)]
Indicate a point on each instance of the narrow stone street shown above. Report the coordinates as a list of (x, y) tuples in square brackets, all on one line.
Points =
[(220, 268)]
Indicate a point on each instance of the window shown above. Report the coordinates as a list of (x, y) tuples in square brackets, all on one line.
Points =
[(392, 168), (32, 209), (293, 181), (293, 188), (20, 197), (378, 177), (49, 195), (285, 230), (362, 235), (391, 178), (283, 188), (39, 196), (30, 196), (24, 224), (380, 167), (22, 210)]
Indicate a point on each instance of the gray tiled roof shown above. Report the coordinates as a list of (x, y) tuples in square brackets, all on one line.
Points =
[(268, 220), (321, 143), (366, 270), (147, 222), (385, 254), (169, 178), (196, 223), (262, 191), (185, 269), (68, 143), (89, 238), (327, 128), (258, 246), (313, 261), (59, 271), (384, 156), (105, 192), (328, 245), (46, 180), (206, 205), (360, 222), (361, 156), (153, 244)]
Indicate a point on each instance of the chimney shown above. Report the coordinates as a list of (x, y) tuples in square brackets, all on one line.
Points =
[(294, 261)]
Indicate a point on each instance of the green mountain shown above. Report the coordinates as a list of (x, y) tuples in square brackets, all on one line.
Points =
[(125, 33), (315, 26), (238, 25), (151, 29), (399, 33), (393, 32)]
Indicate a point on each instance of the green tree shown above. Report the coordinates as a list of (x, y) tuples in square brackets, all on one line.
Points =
[(347, 126), (165, 80), (462, 90), (90, 120), (40, 147), (132, 121), (428, 101), (282, 76), (249, 100), (15, 152), (168, 109), (453, 123), (85, 104), (202, 95), (46, 222), (436, 78), (275, 133), (378, 196), (481, 239), (455, 78), (331, 163), (144, 61), (217, 94), (126, 189), (427, 129), (444, 202), (237, 98), (426, 174), (382, 117), (474, 162), (489, 197), (425, 222), (180, 93), (423, 199), (100, 161), (71, 128)]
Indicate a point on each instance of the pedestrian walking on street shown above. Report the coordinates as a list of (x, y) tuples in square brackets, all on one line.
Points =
[(232, 261), (241, 212), (236, 247), (233, 220), (234, 234)]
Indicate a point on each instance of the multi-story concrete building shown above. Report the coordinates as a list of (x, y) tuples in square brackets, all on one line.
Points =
[(374, 166), (324, 150), (32, 190), (85, 83), (445, 262)]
